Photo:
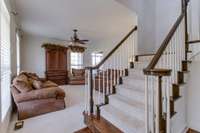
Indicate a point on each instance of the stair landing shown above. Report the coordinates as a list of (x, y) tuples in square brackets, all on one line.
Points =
[(98, 126)]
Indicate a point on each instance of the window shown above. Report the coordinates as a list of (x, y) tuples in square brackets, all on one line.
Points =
[(18, 52), (76, 60), (5, 60), (96, 58)]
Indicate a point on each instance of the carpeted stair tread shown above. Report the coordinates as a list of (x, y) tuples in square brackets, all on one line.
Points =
[(126, 86), (127, 105), (123, 121), (128, 101), (135, 94), (134, 82)]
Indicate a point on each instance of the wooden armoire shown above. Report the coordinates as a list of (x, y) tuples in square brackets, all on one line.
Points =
[(56, 64)]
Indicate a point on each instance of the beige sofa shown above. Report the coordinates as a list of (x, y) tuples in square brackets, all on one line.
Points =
[(34, 96)]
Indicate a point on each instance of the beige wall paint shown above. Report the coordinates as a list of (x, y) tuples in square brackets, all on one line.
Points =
[(33, 55)]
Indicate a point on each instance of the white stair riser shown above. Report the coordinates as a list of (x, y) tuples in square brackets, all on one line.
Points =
[(140, 65), (145, 58), (134, 72)]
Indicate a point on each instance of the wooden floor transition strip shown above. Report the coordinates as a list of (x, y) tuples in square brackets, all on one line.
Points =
[(192, 131), (84, 130)]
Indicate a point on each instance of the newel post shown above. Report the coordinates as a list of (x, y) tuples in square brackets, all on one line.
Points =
[(160, 121), (185, 10), (90, 83)]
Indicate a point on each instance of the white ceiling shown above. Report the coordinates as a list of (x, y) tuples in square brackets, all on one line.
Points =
[(96, 19)]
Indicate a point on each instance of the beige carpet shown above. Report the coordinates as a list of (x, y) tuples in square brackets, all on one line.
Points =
[(65, 121)]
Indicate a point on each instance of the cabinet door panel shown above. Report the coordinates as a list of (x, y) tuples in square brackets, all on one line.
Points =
[(56, 65), (52, 59), (62, 61)]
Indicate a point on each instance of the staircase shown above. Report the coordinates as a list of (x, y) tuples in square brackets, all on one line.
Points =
[(133, 93), (126, 108)]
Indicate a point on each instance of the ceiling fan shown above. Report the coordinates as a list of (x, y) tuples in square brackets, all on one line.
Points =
[(75, 39)]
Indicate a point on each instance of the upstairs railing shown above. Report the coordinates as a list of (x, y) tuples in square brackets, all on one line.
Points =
[(194, 29), (102, 78), (193, 11), (162, 76)]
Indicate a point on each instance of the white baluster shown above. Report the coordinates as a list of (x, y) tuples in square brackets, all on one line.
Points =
[(86, 92), (99, 86), (111, 78), (146, 105)]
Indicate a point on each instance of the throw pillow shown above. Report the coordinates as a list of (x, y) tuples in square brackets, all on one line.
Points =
[(22, 86), (37, 84), (21, 77)]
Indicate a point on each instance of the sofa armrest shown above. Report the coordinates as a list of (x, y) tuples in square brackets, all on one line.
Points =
[(51, 92)]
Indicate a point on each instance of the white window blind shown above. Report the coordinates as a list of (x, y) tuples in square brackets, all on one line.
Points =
[(96, 58), (5, 59), (76, 60), (18, 52)]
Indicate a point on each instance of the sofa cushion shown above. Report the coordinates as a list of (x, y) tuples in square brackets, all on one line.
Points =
[(48, 83), (37, 84), (22, 86), (78, 72), (51, 92)]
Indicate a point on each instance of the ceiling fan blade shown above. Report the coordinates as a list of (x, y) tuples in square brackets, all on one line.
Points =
[(85, 40), (81, 42)]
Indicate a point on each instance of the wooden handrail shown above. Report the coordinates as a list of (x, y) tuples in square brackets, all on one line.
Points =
[(164, 45), (113, 50), (194, 41)]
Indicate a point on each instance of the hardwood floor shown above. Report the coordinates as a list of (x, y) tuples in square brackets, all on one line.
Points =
[(84, 130), (192, 131)]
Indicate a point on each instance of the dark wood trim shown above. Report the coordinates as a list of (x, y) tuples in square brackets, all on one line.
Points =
[(126, 72), (91, 92), (84, 130), (194, 42), (159, 72), (175, 91), (114, 49), (180, 77), (185, 65), (164, 44), (100, 125), (162, 122), (192, 131), (98, 113), (184, 9), (141, 55)]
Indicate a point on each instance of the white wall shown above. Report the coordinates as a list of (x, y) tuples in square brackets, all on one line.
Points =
[(155, 18), (193, 91), (167, 13), (33, 55), (106, 46), (145, 10)]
